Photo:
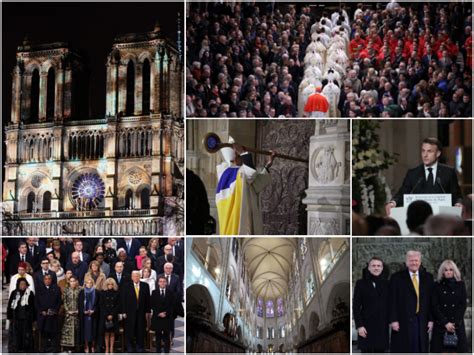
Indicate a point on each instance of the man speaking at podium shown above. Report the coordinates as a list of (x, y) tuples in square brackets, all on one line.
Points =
[(431, 177)]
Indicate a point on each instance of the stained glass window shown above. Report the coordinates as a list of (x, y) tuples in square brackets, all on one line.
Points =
[(88, 191), (280, 311), (260, 307), (310, 288), (270, 310)]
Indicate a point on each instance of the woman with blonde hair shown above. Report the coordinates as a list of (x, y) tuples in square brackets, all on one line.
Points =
[(448, 305), (109, 311), (55, 266), (88, 314), (96, 274)]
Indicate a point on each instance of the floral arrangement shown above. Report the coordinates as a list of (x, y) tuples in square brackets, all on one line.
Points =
[(369, 189)]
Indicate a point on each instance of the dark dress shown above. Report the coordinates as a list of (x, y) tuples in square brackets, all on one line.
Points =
[(370, 308), (448, 304), (403, 310), (88, 323), (109, 306), (20, 336)]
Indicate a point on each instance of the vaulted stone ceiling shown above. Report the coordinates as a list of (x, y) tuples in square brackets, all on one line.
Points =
[(268, 263)]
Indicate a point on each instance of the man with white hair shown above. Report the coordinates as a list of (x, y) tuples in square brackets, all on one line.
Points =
[(239, 184), (410, 307)]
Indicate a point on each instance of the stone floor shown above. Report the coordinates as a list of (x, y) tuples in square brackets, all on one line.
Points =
[(178, 344)]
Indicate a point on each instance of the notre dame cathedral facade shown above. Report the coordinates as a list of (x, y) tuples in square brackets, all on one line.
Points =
[(67, 173)]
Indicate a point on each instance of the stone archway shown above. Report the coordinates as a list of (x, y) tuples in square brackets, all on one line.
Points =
[(199, 300)]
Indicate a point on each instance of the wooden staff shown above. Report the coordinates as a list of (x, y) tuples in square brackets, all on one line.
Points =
[(212, 143)]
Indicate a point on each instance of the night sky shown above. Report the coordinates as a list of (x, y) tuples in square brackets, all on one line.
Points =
[(89, 27)]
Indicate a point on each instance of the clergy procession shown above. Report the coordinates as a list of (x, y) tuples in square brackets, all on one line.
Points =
[(374, 59), (265, 59), (93, 294), (325, 61)]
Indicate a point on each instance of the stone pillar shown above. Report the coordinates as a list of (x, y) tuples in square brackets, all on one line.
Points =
[(58, 106), (67, 101), (138, 89), (26, 97), (16, 95), (111, 89), (42, 96), (155, 83), (328, 193), (122, 87)]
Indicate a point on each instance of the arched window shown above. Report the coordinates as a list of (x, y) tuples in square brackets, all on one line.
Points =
[(145, 198), (270, 311), (47, 201), (146, 87), (128, 199), (260, 307), (280, 308), (30, 202), (330, 253), (35, 90), (130, 101), (50, 93)]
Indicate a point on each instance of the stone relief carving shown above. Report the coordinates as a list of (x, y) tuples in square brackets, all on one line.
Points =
[(281, 203), (135, 177), (324, 166), (36, 180), (324, 226)]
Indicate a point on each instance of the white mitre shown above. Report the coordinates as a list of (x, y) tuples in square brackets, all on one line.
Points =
[(228, 153)]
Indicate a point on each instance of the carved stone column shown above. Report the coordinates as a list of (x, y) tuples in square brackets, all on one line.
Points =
[(328, 193)]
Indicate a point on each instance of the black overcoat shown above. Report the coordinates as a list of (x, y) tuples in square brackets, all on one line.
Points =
[(370, 308), (403, 309), (448, 304), (135, 323), (160, 304)]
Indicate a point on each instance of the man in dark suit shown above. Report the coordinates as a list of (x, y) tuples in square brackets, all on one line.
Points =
[(431, 177), (79, 248), (162, 304), (168, 258), (34, 253), (21, 256), (173, 284), (409, 314), (131, 246), (44, 270), (78, 267), (47, 303), (135, 306), (119, 275)]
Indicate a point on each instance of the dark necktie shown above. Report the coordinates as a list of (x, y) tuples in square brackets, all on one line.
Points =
[(162, 293), (23, 258), (430, 177)]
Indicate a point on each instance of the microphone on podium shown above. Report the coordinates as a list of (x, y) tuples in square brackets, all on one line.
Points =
[(438, 181), (416, 185)]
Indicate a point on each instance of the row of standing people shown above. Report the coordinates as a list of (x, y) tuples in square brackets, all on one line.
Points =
[(100, 282)]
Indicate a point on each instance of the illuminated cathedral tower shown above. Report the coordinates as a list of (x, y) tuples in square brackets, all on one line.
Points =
[(121, 174)]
